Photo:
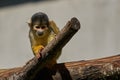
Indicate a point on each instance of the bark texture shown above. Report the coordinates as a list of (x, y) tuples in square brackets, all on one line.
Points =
[(98, 69)]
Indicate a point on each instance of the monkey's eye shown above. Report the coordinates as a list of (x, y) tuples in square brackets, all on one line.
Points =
[(43, 27), (37, 27)]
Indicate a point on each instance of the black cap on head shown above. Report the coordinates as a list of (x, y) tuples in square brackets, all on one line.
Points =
[(40, 16)]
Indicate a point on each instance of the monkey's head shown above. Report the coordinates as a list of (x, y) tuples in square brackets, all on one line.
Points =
[(39, 24)]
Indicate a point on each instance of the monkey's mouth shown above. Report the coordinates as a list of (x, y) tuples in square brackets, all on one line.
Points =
[(39, 33)]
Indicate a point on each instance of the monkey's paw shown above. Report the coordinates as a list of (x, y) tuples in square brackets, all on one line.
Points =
[(37, 50)]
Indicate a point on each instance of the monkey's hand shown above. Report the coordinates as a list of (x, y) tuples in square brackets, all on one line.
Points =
[(37, 50)]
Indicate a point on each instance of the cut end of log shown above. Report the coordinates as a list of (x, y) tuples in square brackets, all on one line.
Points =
[(75, 23)]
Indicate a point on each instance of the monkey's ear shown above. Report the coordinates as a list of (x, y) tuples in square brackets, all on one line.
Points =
[(29, 22)]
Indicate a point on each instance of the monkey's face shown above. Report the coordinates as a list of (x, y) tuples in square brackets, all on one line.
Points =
[(41, 30), (39, 25)]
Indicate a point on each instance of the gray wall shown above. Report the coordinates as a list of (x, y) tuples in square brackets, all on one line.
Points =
[(98, 37)]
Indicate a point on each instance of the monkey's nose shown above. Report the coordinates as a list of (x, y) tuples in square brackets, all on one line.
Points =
[(40, 33)]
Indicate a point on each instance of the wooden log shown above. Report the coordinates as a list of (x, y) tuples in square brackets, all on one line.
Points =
[(98, 69)]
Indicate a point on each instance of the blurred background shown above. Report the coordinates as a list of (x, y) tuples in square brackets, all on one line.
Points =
[(98, 37)]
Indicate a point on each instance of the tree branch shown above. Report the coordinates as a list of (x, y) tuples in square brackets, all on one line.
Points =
[(34, 66)]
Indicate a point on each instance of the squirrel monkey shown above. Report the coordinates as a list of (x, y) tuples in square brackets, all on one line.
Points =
[(41, 32)]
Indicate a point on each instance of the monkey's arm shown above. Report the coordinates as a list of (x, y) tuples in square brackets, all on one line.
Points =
[(37, 49), (54, 27)]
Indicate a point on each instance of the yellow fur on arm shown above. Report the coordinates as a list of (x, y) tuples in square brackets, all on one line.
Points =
[(54, 27)]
